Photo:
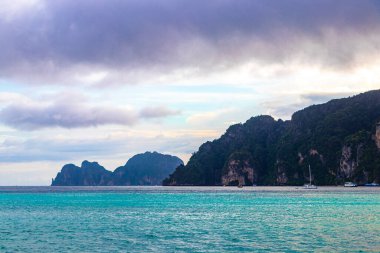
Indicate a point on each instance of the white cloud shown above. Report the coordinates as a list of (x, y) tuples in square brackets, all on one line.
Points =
[(205, 118), (11, 9), (9, 97)]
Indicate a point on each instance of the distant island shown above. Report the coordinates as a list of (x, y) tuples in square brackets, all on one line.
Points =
[(149, 168), (340, 140)]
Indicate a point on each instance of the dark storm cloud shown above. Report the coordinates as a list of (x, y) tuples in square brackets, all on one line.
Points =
[(128, 36)]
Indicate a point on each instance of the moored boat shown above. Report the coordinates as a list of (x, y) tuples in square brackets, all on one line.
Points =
[(350, 184), (310, 186)]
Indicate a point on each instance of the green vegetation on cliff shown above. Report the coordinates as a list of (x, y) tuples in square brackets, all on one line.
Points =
[(338, 140), (149, 168)]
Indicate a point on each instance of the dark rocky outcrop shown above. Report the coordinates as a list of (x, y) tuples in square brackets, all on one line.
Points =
[(146, 169), (142, 169), (90, 173), (339, 139)]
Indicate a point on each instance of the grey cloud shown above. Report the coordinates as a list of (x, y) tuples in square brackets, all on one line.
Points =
[(157, 112), (73, 114), (31, 117), (172, 34)]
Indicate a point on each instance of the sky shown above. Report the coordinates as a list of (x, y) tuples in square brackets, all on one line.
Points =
[(102, 80)]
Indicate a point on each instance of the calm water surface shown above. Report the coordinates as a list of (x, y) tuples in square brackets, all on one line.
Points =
[(189, 219)]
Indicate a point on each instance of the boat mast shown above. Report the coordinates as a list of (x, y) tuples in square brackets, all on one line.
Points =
[(310, 174)]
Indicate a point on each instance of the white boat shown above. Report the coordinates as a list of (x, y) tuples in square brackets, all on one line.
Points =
[(350, 184), (310, 186)]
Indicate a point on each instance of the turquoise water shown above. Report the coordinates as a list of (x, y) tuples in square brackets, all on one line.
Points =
[(165, 219)]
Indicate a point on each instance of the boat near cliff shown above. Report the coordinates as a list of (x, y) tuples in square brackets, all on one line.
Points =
[(310, 186), (350, 184)]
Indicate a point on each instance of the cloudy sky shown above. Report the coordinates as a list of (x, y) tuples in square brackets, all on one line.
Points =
[(106, 79)]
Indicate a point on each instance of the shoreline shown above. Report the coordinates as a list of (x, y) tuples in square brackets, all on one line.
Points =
[(121, 189)]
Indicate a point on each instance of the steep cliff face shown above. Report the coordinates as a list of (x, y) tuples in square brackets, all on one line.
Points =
[(210, 165), (281, 177), (360, 159), (348, 162), (239, 170), (340, 140)]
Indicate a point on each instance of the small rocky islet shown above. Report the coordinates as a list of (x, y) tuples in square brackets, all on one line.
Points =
[(149, 168)]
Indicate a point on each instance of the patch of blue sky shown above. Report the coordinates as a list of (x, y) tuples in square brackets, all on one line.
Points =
[(10, 86)]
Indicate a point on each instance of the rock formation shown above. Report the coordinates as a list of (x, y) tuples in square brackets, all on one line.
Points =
[(348, 162), (239, 170), (340, 140), (142, 169), (89, 174), (146, 169)]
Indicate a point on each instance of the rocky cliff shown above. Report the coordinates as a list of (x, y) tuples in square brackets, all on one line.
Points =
[(90, 173), (146, 169), (349, 162), (239, 170), (149, 168), (340, 140)]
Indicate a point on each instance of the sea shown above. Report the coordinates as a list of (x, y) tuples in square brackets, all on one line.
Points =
[(189, 219)]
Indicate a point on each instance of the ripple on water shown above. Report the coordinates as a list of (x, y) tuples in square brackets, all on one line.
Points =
[(189, 220)]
